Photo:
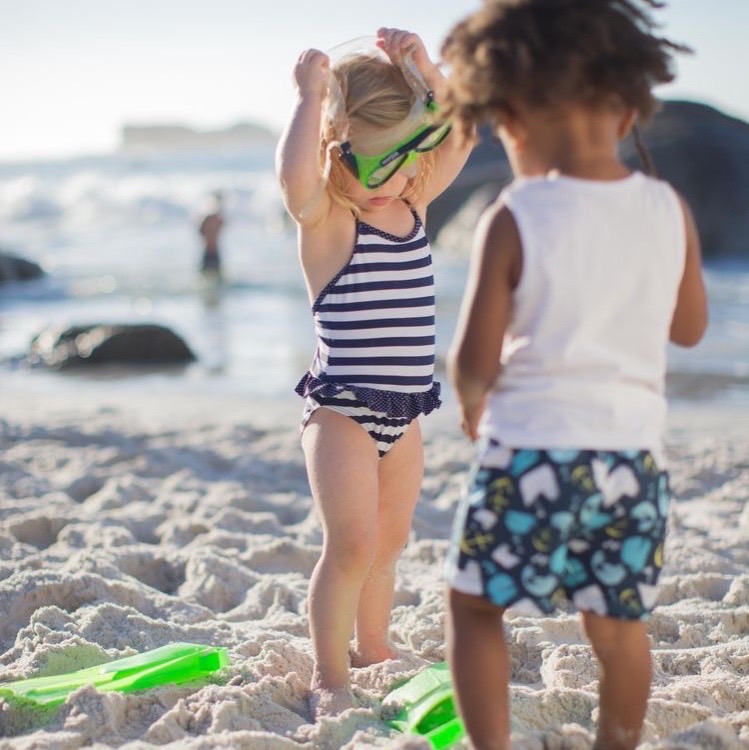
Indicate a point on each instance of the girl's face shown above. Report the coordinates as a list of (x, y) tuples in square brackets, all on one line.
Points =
[(374, 200)]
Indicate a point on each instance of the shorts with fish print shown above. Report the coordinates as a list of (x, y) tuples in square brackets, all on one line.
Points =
[(538, 527)]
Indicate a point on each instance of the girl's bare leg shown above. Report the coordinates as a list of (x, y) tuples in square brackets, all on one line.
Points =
[(342, 466), (480, 667), (623, 651), (400, 474)]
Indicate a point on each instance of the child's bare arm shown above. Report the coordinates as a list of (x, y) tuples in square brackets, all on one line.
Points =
[(451, 155), (690, 314), (449, 159), (298, 153), (473, 359)]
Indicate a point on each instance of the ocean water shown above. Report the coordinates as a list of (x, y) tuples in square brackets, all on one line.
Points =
[(117, 237)]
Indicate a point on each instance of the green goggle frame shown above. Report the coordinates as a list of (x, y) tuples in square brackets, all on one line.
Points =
[(374, 171)]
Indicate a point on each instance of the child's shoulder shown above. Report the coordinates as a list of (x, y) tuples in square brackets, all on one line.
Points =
[(529, 190), (523, 193), (555, 186), (560, 199)]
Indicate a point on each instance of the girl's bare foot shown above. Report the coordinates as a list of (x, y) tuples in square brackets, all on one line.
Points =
[(361, 658), (329, 701)]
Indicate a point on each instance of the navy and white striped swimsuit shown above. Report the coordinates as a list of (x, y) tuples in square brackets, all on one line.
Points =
[(376, 339)]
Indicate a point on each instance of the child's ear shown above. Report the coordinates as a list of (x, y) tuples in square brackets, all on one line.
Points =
[(511, 129), (627, 122)]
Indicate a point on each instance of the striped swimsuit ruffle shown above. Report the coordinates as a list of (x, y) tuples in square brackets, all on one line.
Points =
[(375, 327), (384, 430)]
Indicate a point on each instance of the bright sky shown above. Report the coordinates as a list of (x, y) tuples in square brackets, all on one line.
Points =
[(73, 71)]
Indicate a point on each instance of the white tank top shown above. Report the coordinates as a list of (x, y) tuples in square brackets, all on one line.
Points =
[(584, 359)]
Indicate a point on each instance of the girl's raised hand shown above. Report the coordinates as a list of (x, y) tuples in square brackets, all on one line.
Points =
[(311, 72), (397, 43)]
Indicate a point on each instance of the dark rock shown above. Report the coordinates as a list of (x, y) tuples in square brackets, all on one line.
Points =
[(486, 173), (702, 152), (13, 268), (130, 344)]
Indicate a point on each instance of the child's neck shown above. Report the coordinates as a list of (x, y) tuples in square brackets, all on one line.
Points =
[(577, 144), (395, 218)]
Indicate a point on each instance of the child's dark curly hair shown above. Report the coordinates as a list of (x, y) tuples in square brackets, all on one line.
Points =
[(551, 52)]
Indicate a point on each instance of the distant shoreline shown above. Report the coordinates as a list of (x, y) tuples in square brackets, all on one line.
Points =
[(176, 137)]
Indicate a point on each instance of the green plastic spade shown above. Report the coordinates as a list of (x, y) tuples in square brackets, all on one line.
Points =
[(168, 665), (428, 708)]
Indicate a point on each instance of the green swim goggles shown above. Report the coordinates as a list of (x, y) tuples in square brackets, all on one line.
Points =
[(374, 171)]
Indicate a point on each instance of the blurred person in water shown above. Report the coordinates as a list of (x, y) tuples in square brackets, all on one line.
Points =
[(211, 223)]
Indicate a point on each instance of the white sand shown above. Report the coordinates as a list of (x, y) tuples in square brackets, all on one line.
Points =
[(123, 528)]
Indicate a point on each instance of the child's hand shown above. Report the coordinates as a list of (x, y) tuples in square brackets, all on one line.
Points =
[(311, 72), (398, 43), (470, 416)]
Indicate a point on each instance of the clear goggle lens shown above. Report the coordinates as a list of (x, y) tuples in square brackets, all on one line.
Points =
[(382, 174)]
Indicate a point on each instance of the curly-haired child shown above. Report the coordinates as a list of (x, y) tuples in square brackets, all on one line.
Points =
[(582, 272)]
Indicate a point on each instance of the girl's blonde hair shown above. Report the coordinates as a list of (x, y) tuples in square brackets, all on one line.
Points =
[(376, 93)]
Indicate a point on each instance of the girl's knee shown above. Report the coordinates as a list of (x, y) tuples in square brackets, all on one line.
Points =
[(390, 545), (353, 554)]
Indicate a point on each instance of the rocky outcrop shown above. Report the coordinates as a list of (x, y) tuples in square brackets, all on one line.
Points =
[(702, 152), (13, 268), (453, 215), (123, 344)]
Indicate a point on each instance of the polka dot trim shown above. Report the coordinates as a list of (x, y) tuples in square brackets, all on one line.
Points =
[(392, 403), (387, 235)]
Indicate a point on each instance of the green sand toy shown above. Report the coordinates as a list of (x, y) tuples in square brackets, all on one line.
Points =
[(428, 707), (168, 665)]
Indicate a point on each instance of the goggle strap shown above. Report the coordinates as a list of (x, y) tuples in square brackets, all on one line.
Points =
[(329, 159), (413, 75)]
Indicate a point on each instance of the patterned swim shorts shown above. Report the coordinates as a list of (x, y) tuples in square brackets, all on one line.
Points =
[(384, 430), (538, 527)]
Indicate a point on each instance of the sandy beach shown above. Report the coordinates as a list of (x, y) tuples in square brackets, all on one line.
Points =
[(127, 526)]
